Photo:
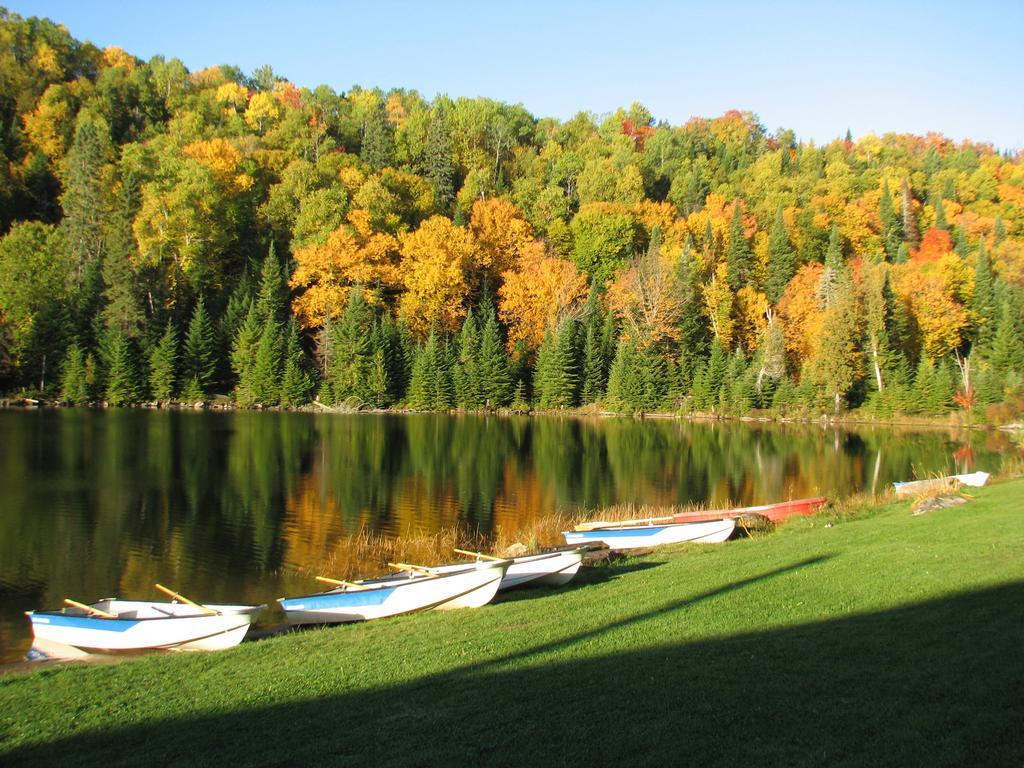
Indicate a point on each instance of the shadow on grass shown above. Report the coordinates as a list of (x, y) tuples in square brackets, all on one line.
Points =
[(937, 683), (585, 578)]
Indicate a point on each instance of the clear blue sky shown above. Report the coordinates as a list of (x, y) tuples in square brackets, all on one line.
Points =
[(818, 68)]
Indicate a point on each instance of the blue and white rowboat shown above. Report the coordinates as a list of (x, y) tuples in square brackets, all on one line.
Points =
[(139, 626), (645, 536), (471, 586)]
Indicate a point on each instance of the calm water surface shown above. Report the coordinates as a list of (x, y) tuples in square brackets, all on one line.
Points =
[(235, 507)]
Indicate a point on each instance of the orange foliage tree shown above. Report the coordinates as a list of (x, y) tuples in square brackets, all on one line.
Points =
[(802, 313), (537, 293)]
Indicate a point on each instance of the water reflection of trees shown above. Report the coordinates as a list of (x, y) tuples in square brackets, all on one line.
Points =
[(226, 505)]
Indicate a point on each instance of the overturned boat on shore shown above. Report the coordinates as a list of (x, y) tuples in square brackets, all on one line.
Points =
[(633, 535)]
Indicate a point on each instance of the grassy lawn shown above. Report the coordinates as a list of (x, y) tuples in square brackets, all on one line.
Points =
[(883, 640)]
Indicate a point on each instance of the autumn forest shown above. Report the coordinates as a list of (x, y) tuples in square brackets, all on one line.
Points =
[(176, 236)]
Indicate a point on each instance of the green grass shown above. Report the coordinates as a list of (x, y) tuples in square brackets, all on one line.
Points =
[(883, 640)]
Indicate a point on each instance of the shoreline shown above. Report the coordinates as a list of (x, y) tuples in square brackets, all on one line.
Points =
[(951, 420)]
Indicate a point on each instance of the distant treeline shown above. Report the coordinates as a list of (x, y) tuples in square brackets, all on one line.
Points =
[(172, 235)]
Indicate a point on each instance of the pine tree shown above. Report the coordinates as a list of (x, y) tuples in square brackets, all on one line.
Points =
[(1007, 355), (593, 366), (352, 351), (272, 298), (73, 387), (910, 233), (121, 374), (625, 387), (200, 355), (495, 376), (940, 215), (243, 357), (378, 150), (998, 231), (781, 259), (239, 304), (431, 387), (83, 198), (438, 163), (708, 384), (466, 374), (296, 382), (163, 361), (267, 364), (984, 303), (890, 229), (834, 267), (557, 382), (123, 309), (739, 259)]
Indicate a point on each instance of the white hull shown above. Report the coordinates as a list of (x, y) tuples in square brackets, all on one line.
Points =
[(141, 626), (546, 569), (471, 586), (646, 536), (974, 479)]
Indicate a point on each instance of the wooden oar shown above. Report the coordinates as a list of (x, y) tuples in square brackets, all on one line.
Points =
[(341, 583), (427, 572), (181, 599), (89, 609), (594, 524), (480, 555)]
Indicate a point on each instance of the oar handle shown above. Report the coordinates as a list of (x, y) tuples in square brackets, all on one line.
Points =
[(407, 567), (89, 609), (480, 555), (340, 582), (182, 599)]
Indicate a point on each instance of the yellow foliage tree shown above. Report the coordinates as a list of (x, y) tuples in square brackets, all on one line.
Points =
[(353, 254), (263, 109), (751, 313), (223, 158), (718, 300), (501, 234), (433, 268)]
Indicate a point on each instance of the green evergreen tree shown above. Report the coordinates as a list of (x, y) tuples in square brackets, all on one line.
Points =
[(83, 199), (593, 366), (911, 235), (296, 381), (243, 357), (625, 385), (466, 374), (940, 216), (890, 229), (834, 267), (121, 291), (709, 383), (120, 371), (353, 352), (1007, 355), (73, 386), (781, 259), (998, 231), (902, 254), (267, 365), (431, 386), (239, 304), (378, 149), (272, 298), (494, 371), (200, 355), (984, 302), (438, 163), (739, 259), (163, 362), (559, 378)]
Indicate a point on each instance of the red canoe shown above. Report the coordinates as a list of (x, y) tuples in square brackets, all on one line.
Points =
[(777, 512)]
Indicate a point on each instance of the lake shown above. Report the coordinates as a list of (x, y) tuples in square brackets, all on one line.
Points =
[(239, 507)]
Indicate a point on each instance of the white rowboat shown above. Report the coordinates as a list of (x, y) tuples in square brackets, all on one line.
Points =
[(912, 487), (471, 586), (644, 536), (140, 626), (550, 569)]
